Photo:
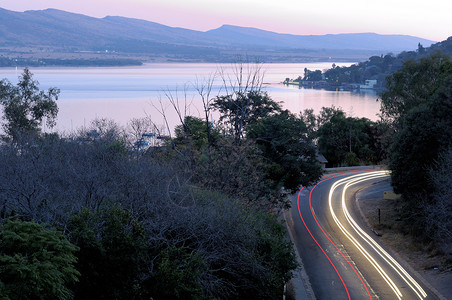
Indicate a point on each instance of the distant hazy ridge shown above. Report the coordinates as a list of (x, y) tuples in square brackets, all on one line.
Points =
[(59, 31)]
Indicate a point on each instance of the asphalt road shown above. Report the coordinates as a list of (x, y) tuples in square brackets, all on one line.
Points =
[(339, 253)]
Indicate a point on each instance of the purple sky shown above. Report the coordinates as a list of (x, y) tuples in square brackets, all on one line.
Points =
[(427, 19)]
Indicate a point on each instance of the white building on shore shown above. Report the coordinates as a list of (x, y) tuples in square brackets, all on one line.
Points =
[(370, 84)]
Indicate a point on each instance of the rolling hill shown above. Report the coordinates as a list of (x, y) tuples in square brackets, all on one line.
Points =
[(34, 33)]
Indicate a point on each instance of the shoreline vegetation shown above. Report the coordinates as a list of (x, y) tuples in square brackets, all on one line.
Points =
[(331, 86), (62, 62), (369, 74)]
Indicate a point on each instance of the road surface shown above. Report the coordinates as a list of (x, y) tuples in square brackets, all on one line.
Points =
[(339, 253)]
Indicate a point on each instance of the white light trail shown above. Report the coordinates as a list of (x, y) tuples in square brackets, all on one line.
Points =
[(349, 181)]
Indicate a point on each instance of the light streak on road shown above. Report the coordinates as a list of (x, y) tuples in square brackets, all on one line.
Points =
[(318, 244), (324, 253), (352, 180), (318, 224)]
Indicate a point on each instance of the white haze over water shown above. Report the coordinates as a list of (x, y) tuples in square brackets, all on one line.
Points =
[(123, 93)]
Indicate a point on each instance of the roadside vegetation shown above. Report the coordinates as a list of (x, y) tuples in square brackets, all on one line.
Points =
[(103, 214), (417, 106)]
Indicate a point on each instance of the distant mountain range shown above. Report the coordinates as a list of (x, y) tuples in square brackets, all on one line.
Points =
[(52, 32)]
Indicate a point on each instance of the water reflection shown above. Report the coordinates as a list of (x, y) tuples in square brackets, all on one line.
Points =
[(132, 92)]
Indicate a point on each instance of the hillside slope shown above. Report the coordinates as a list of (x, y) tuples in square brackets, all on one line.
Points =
[(60, 31)]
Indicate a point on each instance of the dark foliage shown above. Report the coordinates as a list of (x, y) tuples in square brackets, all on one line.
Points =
[(290, 155), (418, 106), (35, 262), (141, 227), (422, 112), (348, 141), (25, 106)]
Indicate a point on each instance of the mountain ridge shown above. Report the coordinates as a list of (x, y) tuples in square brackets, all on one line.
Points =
[(62, 31)]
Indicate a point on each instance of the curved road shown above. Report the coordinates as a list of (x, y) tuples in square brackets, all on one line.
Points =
[(339, 253)]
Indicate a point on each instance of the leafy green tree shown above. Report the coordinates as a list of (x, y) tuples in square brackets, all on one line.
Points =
[(35, 262), (112, 253), (422, 95), (178, 275), (236, 170), (420, 49), (326, 113), (336, 76), (275, 254), (346, 140), (314, 122), (25, 106), (413, 85), (290, 155), (412, 150), (426, 132), (312, 75), (195, 130), (351, 159), (364, 140), (382, 135), (310, 121), (437, 220), (418, 102), (238, 110)]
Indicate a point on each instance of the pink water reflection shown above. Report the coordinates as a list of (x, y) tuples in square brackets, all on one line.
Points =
[(134, 92)]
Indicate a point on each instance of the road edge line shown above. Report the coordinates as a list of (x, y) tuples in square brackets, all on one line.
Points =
[(301, 270), (399, 258)]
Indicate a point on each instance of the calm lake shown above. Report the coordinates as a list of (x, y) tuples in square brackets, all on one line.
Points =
[(123, 93)]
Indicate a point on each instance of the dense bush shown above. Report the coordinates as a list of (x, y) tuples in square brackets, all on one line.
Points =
[(344, 140), (35, 262), (139, 226), (418, 106)]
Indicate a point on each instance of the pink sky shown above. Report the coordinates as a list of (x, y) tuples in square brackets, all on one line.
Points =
[(426, 19)]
